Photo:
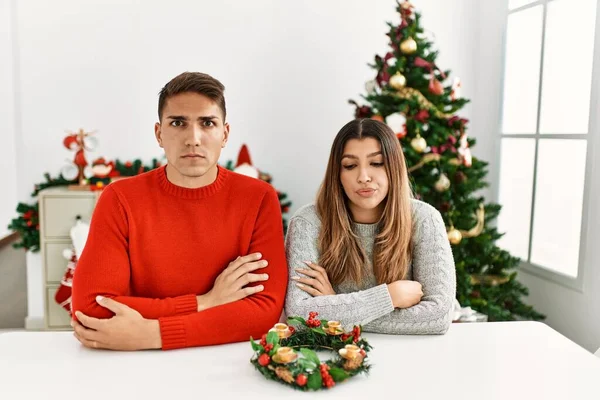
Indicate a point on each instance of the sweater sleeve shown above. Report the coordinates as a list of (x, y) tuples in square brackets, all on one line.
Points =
[(433, 267), (104, 268), (350, 309), (251, 316)]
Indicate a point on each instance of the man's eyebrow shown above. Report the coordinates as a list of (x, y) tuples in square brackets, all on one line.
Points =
[(208, 117), (178, 117), (184, 118)]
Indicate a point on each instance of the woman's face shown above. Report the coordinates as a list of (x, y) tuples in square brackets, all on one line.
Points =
[(364, 179)]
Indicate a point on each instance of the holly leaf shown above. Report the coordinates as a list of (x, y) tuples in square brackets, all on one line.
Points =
[(324, 322), (273, 338), (296, 319), (310, 355), (319, 330), (274, 350), (255, 346), (338, 374), (307, 364), (314, 380)]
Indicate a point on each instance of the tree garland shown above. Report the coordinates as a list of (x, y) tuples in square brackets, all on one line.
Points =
[(287, 354)]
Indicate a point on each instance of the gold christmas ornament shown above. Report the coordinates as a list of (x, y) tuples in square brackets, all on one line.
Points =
[(454, 235), (419, 144), (442, 184), (397, 81), (408, 46)]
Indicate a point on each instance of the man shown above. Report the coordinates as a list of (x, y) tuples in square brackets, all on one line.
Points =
[(189, 254)]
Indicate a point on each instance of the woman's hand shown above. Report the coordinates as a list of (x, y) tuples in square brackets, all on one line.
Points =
[(405, 294), (317, 283)]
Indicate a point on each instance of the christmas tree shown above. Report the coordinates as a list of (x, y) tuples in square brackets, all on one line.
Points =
[(409, 94)]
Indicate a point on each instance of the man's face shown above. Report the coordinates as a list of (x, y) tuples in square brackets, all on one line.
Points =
[(192, 133)]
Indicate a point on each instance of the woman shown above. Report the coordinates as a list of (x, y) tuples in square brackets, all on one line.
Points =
[(368, 253)]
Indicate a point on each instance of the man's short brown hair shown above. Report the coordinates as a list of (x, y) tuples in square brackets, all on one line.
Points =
[(195, 82)]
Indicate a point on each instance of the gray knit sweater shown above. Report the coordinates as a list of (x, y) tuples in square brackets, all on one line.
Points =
[(370, 304)]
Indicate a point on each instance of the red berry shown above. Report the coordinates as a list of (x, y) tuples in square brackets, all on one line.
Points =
[(292, 329), (344, 337), (301, 380), (269, 347), (264, 359), (263, 340)]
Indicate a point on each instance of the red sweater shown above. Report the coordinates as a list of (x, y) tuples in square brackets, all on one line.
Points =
[(154, 246)]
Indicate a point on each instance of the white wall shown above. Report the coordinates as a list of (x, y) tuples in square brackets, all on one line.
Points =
[(8, 166), (489, 62), (288, 67)]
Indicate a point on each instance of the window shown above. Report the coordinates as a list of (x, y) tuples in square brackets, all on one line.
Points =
[(545, 134)]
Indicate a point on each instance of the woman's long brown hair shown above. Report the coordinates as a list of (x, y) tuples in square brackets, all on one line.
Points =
[(342, 256)]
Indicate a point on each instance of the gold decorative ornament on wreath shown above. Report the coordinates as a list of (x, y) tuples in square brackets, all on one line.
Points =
[(287, 353)]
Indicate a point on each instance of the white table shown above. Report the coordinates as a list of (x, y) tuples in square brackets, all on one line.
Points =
[(515, 360)]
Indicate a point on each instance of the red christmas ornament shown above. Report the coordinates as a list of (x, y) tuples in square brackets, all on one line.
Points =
[(422, 116), (436, 87), (264, 359)]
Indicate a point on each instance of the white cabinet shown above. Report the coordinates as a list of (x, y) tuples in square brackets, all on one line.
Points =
[(59, 209)]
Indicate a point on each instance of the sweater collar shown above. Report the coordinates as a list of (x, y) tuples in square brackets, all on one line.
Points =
[(198, 193), (365, 230)]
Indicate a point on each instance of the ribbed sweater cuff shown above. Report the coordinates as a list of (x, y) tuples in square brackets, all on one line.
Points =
[(186, 304), (379, 301), (172, 333)]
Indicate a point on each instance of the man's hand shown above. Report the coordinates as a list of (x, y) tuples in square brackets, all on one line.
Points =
[(405, 294), (127, 330), (317, 283), (231, 284)]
